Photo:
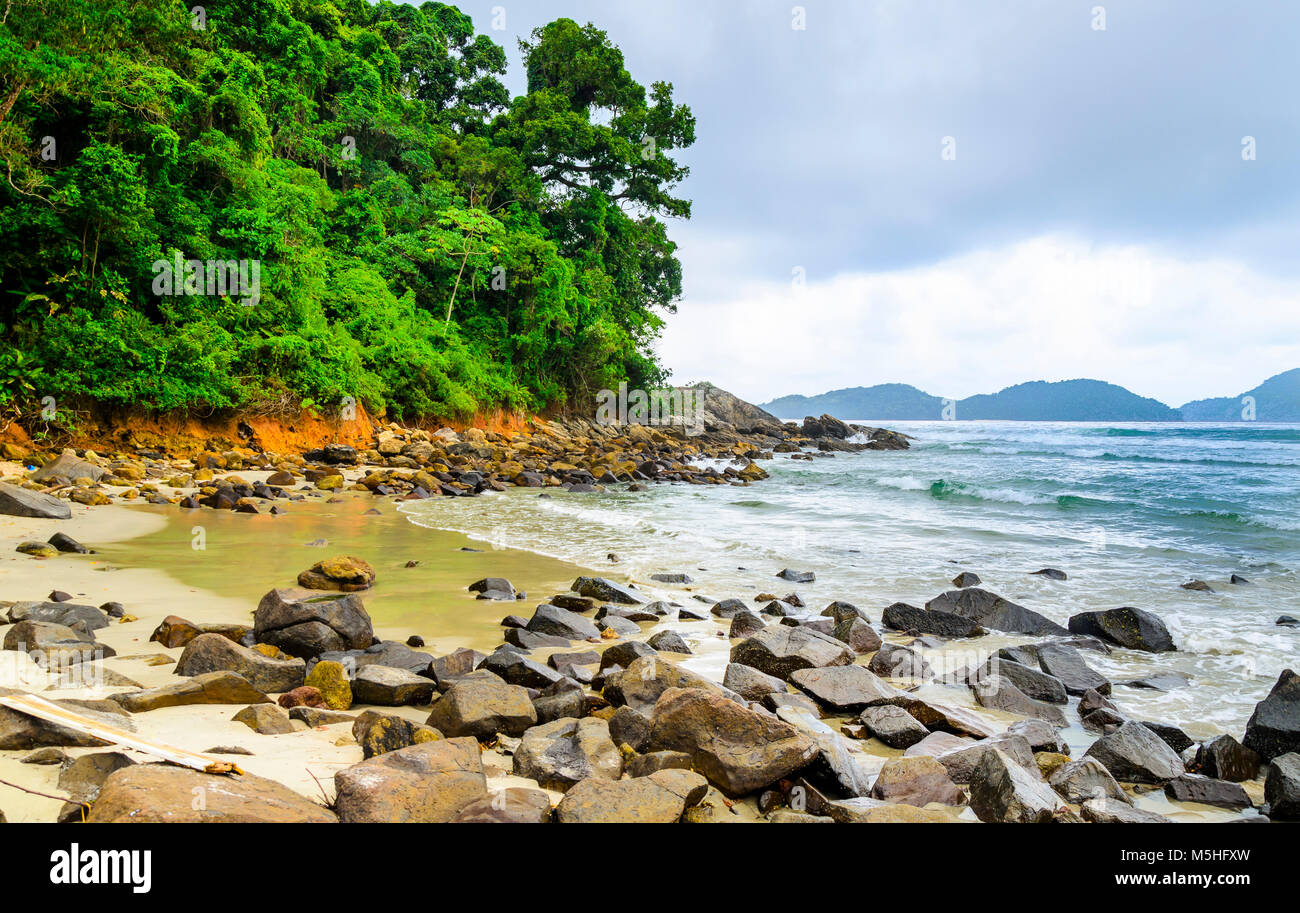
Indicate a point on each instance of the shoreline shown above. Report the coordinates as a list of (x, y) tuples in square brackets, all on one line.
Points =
[(243, 556)]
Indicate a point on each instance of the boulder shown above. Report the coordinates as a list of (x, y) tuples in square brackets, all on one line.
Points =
[(1282, 787), (385, 686), (1207, 791), (648, 677), (998, 693), (496, 588), (173, 632), (1002, 791), (894, 726), (342, 572), (893, 661), (604, 590), (1128, 627), (1087, 778), (1172, 736), (944, 717), (965, 579), (379, 733), (512, 805), (916, 781), (82, 617), (844, 688), (330, 679), (1067, 665), (266, 719), (215, 653), (82, 780), (728, 608), (745, 624), (20, 732), (751, 684), (630, 727), (1041, 735), (797, 576), (1135, 754), (1035, 684), (961, 762), (903, 617), (559, 754), (314, 717), (208, 688), (1274, 728), (668, 642), (306, 624), (1113, 811), (429, 783), (993, 612), (396, 655), (517, 669), (625, 654), (779, 650), (1050, 573), (738, 750), (20, 502), (162, 793), (636, 801), (1225, 758), (860, 636), (482, 708), (558, 622)]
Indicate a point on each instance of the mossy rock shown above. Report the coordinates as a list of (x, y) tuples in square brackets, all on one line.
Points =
[(331, 679)]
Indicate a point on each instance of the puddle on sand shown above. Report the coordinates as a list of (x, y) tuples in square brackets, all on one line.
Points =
[(245, 555)]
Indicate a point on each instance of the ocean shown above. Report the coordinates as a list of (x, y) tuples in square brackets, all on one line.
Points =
[(1128, 511)]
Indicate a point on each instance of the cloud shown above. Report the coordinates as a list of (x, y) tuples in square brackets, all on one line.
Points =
[(1053, 307)]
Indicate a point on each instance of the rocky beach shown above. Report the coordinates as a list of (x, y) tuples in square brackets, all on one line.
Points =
[(276, 613)]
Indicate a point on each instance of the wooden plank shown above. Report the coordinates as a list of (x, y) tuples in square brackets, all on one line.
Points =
[(42, 709)]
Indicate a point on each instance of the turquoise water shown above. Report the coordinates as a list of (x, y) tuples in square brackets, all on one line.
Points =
[(1128, 511)]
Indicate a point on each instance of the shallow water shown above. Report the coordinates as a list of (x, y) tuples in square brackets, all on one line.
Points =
[(1129, 511)]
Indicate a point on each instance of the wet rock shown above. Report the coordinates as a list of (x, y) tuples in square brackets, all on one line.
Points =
[(1067, 665), (1113, 811), (379, 733), (860, 636), (1128, 627), (630, 727), (456, 664), (1087, 778), (529, 640), (1164, 681), (65, 543), (306, 624), (1041, 735), (1135, 754), (779, 650), (615, 626), (668, 642), (797, 576), (343, 572), (207, 688), (894, 726), (728, 608), (84, 618), (1198, 586), (648, 677), (174, 631), (844, 688), (563, 699), (159, 793), (214, 653), (1103, 721), (903, 617), (672, 578), (385, 686), (20, 502), (1282, 787), (267, 719), (605, 590), (998, 693), (496, 588), (636, 801), (481, 708), (559, 754), (627, 613), (1225, 758), (965, 579), (625, 654), (1172, 736), (1274, 728), (938, 716), (1207, 791), (745, 624), (1038, 685), (1050, 573), (512, 805), (553, 620), (993, 612), (1288, 621), (318, 716), (1002, 791), (893, 661), (429, 783), (738, 750), (749, 683), (916, 781), (330, 680), (517, 669), (961, 762)]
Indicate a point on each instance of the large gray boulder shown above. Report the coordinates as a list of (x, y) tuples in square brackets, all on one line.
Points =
[(994, 612), (1087, 778), (1129, 627), (1274, 727), (217, 653), (550, 619), (1002, 791), (483, 707), (1135, 754), (780, 650), (19, 502), (607, 591), (557, 755), (1282, 787), (903, 617), (844, 688), (1067, 665), (307, 623)]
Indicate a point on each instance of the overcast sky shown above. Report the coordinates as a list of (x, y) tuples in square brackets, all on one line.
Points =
[(1098, 218)]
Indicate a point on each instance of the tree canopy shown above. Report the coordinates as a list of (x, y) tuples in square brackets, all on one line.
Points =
[(426, 244)]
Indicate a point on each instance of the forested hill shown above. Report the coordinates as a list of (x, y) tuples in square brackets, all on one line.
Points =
[(425, 243)]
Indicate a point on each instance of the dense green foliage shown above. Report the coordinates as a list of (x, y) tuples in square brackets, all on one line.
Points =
[(426, 244)]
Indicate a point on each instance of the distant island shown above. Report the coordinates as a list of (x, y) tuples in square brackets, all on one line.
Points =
[(1275, 400)]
